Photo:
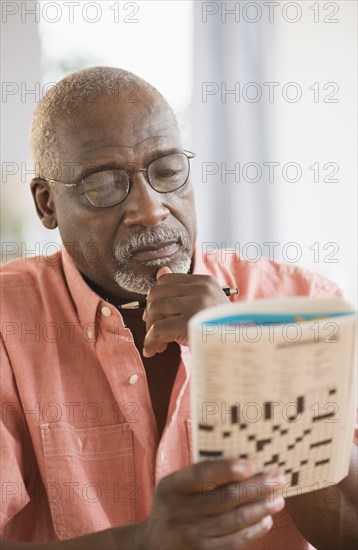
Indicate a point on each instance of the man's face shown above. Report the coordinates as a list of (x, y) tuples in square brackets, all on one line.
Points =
[(120, 248)]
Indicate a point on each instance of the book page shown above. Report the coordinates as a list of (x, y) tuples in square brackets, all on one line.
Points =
[(280, 395)]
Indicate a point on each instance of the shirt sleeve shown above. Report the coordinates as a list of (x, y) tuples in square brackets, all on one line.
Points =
[(14, 495)]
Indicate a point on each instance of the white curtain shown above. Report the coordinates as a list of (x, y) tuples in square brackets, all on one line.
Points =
[(230, 129), (295, 75)]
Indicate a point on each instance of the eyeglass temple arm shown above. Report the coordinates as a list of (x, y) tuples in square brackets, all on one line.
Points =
[(189, 154), (62, 182)]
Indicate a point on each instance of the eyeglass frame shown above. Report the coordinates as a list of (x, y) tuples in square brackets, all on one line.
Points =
[(189, 154)]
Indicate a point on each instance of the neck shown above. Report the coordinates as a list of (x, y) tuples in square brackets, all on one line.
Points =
[(114, 297)]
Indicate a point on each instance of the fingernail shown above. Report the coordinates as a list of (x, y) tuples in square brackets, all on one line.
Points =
[(163, 271), (268, 521), (276, 478), (243, 467), (144, 353), (276, 504)]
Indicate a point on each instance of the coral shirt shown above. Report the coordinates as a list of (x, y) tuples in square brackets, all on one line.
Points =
[(81, 451)]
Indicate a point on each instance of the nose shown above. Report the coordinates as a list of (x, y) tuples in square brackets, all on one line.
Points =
[(144, 205)]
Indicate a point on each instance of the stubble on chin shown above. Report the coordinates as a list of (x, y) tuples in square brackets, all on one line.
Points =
[(140, 283)]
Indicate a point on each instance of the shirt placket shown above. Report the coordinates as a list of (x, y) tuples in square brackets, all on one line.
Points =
[(173, 452), (124, 370)]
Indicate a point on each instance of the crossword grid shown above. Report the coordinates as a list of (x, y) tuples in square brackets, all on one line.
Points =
[(299, 445)]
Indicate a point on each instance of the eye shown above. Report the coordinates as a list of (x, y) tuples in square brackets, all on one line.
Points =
[(167, 173), (106, 187), (169, 166), (105, 180)]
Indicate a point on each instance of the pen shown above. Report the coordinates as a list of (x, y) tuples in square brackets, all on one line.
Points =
[(142, 303)]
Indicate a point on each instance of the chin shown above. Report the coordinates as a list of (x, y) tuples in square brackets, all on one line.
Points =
[(139, 281), (135, 283)]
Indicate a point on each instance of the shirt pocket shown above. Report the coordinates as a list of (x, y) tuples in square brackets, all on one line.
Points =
[(90, 480)]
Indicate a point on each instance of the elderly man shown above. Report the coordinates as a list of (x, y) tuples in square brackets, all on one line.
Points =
[(95, 416)]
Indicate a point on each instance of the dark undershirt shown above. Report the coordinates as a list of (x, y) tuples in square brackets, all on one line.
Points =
[(161, 369)]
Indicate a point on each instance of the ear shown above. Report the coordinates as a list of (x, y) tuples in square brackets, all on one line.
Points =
[(44, 203)]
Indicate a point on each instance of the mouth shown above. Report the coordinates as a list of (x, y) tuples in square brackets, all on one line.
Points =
[(157, 251)]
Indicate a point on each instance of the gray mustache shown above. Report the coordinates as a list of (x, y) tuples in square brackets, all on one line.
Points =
[(149, 238)]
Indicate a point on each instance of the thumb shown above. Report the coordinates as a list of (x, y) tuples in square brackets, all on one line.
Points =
[(163, 271)]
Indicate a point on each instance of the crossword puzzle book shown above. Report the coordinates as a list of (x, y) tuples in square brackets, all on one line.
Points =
[(274, 381)]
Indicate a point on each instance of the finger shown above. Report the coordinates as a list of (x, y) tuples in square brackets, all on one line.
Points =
[(159, 349), (164, 307), (168, 291), (184, 278), (218, 472), (164, 331), (240, 517), (216, 499), (241, 539), (177, 290), (204, 290), (162, 271), (172, 289)]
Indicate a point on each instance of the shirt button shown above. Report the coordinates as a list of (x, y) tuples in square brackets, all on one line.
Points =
[(133, 379), (89, 334), (106, 312)]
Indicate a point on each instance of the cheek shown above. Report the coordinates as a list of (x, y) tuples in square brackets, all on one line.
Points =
[(87, 233), (186, 210)]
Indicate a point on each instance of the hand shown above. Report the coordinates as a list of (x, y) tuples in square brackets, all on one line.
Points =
[(213, 504), (171, 302)]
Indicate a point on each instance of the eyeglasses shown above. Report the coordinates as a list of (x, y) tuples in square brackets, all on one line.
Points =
[(109, 187)]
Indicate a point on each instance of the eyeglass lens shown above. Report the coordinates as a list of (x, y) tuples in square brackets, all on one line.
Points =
[(111, 187)]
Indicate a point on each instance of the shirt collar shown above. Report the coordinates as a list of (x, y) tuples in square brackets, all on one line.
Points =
[(198, 264), (85, 299)]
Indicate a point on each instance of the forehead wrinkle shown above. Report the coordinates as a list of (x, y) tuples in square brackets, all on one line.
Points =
[(69, 99), (100, 147), (143, 133), (140, 125), (116, 147)]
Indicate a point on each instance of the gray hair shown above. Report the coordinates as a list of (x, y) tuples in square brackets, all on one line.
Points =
[(77, 89)]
